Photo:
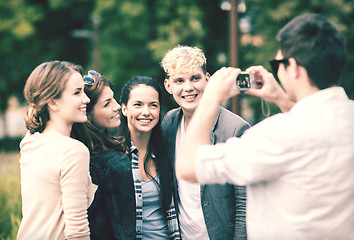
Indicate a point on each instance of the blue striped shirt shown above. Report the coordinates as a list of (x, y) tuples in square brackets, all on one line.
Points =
[(171, 216)]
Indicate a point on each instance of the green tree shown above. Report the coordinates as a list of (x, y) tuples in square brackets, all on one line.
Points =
[(268, 17), (32, 32)]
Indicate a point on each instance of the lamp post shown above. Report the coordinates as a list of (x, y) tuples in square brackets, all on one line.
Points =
[(93, 36), (231, 7), (233, 17)]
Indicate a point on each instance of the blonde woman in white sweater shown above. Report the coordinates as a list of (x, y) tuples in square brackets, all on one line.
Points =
[(55, 185)]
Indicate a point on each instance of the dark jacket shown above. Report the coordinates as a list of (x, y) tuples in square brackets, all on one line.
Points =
[(112, 213), (224, 206)]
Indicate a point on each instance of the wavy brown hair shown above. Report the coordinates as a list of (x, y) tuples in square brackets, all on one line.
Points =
[(94, 137), (46, 82)]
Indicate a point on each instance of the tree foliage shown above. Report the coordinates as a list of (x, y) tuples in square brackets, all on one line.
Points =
[(133, 36)]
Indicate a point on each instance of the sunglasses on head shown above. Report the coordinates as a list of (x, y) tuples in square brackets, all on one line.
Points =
[(89, 78)]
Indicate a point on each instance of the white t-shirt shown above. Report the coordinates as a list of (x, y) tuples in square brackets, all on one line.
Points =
[(299, 168), (191, 216)]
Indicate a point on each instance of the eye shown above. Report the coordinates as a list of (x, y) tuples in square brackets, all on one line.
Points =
[(155, 105), (107, 104), (137, 104), (179, 80), (196, 78)]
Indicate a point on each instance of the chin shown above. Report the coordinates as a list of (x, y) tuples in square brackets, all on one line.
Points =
[(82, 120)]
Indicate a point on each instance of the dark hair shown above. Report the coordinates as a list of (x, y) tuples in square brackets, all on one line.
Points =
[(156, 143), (47, 81), (93, 137), (317, 46)]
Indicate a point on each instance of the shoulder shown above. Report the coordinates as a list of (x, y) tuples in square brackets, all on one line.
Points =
[(64, 145), (170, 118), (171, 114), (228, 116), (231, 123), (109, 159), (70, 145)]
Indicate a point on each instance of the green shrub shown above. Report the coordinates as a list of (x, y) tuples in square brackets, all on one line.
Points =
[(10, 144), (10, 195)]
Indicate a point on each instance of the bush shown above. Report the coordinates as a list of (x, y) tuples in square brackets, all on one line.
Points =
[(10, 195), (10, 144)]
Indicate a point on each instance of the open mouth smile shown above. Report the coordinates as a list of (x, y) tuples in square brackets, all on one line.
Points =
[(190, 97), (144, 120)]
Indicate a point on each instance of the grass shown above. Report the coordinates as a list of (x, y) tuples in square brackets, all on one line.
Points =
[(10, 195)]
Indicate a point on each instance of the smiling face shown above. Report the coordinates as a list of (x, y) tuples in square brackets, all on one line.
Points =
[(187, 88), (105, 113), (142, 109), (71, 106)]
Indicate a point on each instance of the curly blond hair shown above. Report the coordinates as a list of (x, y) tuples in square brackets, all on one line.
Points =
[(183, 59)]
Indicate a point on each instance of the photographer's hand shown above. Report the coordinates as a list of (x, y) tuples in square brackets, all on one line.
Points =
[(221, 85), (268, 89)]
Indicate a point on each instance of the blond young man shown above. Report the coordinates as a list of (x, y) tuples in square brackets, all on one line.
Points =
[(204, 211)]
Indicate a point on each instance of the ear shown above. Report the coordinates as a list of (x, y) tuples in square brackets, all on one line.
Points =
[(294, 68), (207, 76), (124, 110), (167, 86), (52, 105)]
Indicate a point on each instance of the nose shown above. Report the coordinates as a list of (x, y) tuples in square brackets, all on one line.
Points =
[(85, 99), (146, 111), (188, 86), (116, 106)]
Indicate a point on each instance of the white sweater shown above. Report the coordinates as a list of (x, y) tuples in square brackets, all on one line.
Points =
[(55, 186)]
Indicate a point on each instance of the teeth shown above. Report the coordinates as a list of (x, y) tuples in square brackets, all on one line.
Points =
[(145, 120), (190, 96)]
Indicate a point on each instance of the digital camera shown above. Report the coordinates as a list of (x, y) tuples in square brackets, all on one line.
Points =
[(245, 81)]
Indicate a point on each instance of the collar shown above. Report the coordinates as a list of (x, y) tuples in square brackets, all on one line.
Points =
[(317, 99)]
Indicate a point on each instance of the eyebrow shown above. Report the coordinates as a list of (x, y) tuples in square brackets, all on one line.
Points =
[(176, 79), (138, 101), (196, 75), (107, 100)]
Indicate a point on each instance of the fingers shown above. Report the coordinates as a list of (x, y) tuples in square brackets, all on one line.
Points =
[(222, 83)]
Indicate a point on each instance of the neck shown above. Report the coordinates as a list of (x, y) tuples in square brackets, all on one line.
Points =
[(187, 118), (305, 92), (140, 140), (58, 128)]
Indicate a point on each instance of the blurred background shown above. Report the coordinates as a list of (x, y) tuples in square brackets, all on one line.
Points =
[(124, 38)]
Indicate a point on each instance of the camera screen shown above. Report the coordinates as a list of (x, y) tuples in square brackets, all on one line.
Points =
[(243, 81)]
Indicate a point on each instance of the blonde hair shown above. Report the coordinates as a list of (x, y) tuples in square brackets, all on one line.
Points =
[(46, 82), (183, 59)]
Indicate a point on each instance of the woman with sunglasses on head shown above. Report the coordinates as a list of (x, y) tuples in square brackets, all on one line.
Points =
[(55, 185), (120, 209)]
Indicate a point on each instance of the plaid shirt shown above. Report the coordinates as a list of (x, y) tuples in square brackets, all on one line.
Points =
[(171, 216)]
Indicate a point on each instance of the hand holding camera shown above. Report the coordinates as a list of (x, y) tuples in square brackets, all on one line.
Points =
[(267, 88), (245, 81)]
